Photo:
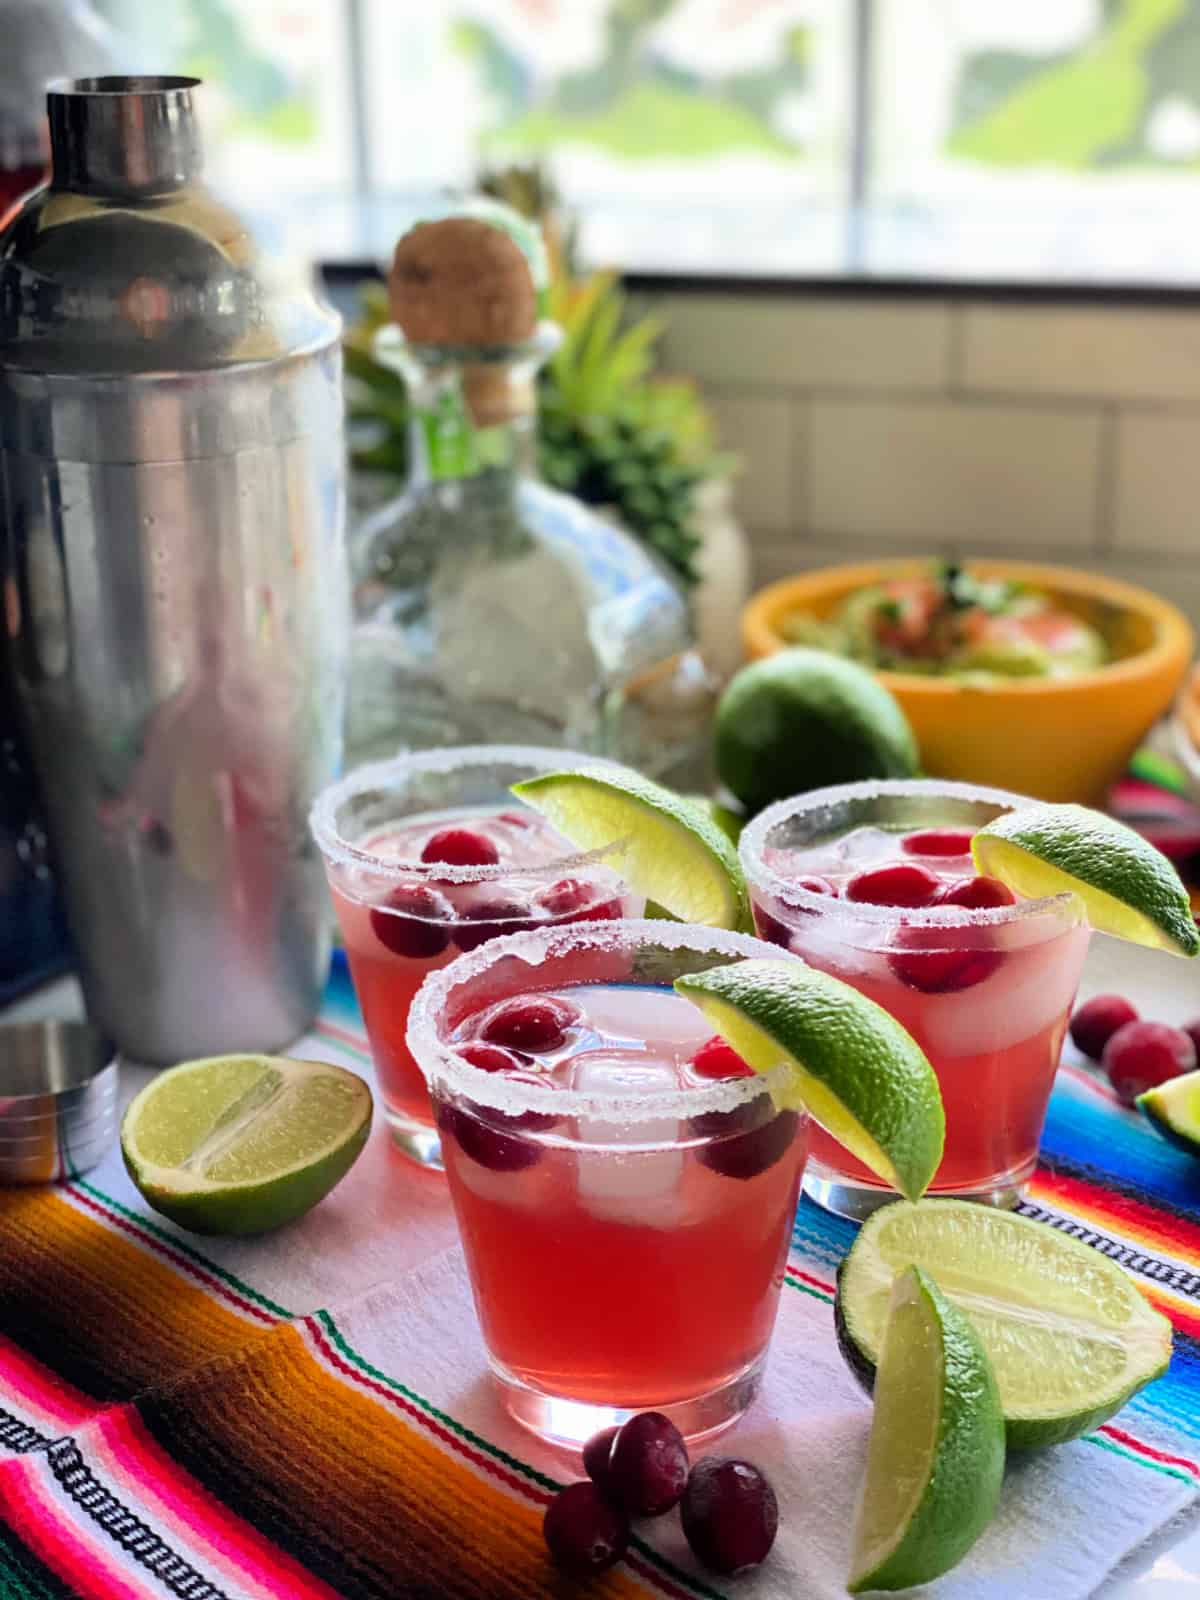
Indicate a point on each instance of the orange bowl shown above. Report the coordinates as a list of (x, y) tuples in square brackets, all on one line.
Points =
[(1054, 738)]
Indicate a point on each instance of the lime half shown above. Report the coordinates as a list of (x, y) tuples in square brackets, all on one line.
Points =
[(851, 1064), (1069, 1335), (1128, 888), (674, 853), (935, 1461), (241, 1144), (1174, 1109)]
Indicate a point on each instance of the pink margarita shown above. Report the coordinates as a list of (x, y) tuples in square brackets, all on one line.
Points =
[(429, 856), (624, 1187), (874, 883)]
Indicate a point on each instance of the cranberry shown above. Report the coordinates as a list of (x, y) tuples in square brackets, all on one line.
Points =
[(902, 884), (1192, 1029), (607, 911), (938, 842), (739, 1119), (530, 1121), (817, 886), (1097, 1019), (771, 929), (488, 919), (716, 1059), (977, 894), (531, 1023), (596, 1453), (485, 1144), (1143, 1054), (583, 1532), (574, 900), (408, 921), (730, 1515), (565, 896), (940, 971), (491, 1058), (648, 1465), (460, 847), (745, 1155)]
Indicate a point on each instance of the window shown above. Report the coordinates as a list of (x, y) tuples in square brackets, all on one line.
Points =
[(721, 136)]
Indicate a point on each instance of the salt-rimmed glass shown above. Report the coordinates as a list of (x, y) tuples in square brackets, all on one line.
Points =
[(625, 1223), (986, 993), (402, 918)]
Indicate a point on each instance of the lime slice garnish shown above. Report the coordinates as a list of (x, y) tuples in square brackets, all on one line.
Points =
[(935, 1461), (1069, 1335), (1174, 1109), (240, 1144), (674, 853), (850, 1063), (1128, 888), (728, 820)]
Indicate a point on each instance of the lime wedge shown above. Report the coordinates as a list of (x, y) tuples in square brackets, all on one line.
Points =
[(1128, 888), (675, 854), (851, 1064), (240, 1144), (1069, 1335), (729, 821), (1174, 1109), (935, 1461)]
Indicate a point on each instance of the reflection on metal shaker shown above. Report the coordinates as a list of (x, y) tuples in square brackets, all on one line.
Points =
[(173, 569)]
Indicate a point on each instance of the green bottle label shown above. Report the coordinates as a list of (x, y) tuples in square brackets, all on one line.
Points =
[(449, 437)]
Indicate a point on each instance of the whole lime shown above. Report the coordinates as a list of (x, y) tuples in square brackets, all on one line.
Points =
[(802, 719)]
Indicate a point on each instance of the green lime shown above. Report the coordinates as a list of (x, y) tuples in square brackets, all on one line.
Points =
[(802, 719), (1174, 1109), (1128, 888), (672, 851), (935, 1460), (850, 1063), (241, 1144), (729, 821), (1069, 1335)]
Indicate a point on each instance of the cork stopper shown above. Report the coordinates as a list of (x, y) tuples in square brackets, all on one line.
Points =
[(462, 281)]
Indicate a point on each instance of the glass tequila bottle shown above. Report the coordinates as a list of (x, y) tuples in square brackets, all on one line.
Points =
[(492, 608)]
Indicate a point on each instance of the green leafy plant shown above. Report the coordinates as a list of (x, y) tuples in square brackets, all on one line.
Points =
[(613, 431)]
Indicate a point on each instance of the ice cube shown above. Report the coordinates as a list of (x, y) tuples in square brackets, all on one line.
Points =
[(1028, 992), (862, 847), (617, 1184)]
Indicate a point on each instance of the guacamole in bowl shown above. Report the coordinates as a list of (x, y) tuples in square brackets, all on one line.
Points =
[(949, 623)]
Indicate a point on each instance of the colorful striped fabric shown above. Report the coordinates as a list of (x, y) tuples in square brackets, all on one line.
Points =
[(167, 1429)]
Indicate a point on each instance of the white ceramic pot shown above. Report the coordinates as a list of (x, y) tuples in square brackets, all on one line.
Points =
[(724, 564)]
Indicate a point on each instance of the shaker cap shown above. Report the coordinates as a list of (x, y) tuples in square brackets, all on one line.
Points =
[(126, 263)]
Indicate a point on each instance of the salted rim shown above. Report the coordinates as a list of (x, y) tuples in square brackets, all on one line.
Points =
[(760, 876), (441, 1064), (381, 774)]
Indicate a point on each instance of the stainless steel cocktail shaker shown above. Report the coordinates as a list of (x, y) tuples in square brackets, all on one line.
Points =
[(173, 575)]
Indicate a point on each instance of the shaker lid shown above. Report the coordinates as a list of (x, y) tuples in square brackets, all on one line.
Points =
[(127, 263)]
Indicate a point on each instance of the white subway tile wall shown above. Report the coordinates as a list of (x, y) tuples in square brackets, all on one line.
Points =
[(1156, 505), (822, 343), (888, 426), (1119, 353), (953, 472), (762, 429)]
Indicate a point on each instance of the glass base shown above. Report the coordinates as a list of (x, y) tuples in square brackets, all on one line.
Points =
[(417, 1140), (571, 1423), (850, 1197)]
